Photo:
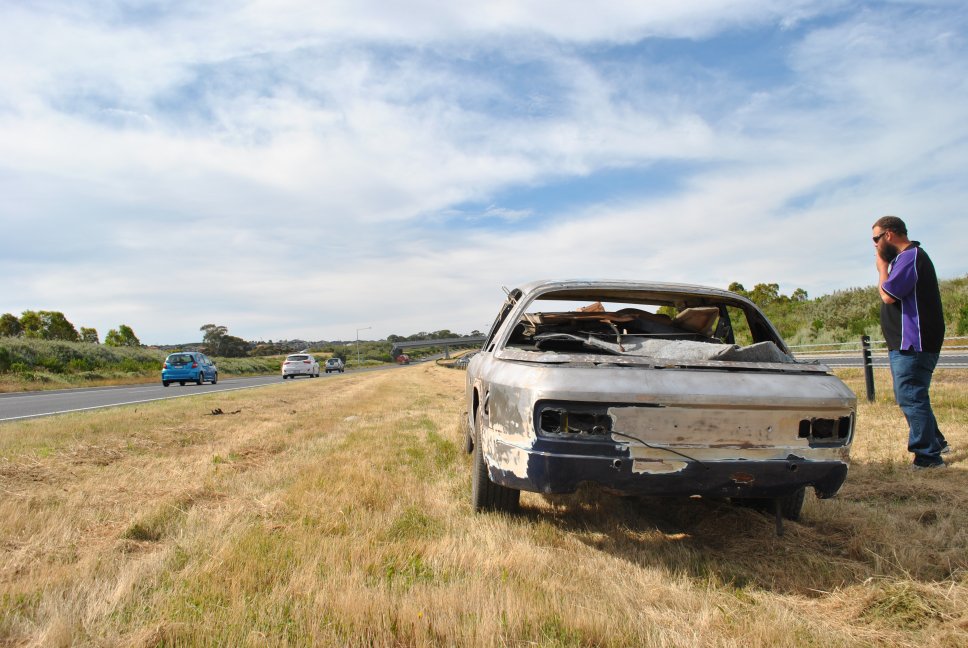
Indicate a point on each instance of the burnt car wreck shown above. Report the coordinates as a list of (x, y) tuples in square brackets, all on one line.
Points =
[(650, 389)]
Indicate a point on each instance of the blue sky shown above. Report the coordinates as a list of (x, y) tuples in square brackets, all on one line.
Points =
[(305, 169)]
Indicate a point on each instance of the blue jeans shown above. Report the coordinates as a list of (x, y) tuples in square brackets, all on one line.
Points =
[(912, 372)]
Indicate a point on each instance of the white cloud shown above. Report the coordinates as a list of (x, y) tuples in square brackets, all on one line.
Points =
[(287, 170)]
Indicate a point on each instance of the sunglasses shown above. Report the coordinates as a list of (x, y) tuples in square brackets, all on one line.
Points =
[(878, 237)]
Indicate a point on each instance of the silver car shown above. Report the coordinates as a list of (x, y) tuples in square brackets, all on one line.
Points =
[(650, 389), (300, 364)]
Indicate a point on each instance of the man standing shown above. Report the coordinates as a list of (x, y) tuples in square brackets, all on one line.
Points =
[(913, 326)]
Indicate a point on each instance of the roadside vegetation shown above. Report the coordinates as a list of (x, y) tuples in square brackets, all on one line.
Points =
[(336, 513), (845, 315), (29, 364)]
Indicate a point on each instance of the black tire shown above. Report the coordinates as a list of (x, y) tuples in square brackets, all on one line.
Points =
[(165, 383), (465, 427), (181, 382), (790, 505), (215, 378), (485, 494), (201, 378)]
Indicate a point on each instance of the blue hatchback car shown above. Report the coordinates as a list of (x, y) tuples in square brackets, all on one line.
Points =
[(186, 366)]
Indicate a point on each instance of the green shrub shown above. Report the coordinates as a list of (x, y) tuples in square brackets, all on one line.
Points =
[(80, 365), (52, 364)]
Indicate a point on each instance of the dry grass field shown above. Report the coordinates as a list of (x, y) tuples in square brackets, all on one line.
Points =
[(336, 513)]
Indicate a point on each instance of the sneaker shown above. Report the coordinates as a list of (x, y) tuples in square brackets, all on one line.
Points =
[(929, 466), (946, 448)]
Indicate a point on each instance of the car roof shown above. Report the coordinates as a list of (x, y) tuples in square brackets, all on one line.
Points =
[(580, 289)]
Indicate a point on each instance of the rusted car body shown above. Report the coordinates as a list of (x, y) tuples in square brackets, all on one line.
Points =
[(643, 389)]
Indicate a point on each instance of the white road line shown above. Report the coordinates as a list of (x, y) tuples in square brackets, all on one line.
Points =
[(148, 400)]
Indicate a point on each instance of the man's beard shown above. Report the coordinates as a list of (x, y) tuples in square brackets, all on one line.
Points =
[(887, 252)]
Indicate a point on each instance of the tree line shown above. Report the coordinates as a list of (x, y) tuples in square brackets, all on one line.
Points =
[(840, 316), (52, 325)]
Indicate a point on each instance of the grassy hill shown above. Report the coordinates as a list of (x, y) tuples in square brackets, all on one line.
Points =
[(845, 315)]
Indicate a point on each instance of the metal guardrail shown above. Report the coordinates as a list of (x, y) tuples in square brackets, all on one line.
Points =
[(845, 348), (867, 348), (458, 363)]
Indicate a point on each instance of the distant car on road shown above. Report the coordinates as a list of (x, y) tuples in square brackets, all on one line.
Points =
[(300, 364), (186, 366), (403, 359), (335, 364)]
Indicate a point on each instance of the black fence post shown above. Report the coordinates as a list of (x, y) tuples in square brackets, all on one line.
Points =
[(865, 343)]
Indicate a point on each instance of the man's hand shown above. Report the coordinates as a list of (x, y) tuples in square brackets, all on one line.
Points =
[(882, 267)]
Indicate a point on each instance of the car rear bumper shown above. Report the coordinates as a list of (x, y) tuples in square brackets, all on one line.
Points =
[(180, 375), (547, 472)]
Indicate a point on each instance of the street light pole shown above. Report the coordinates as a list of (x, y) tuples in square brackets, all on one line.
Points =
[(358, 362)]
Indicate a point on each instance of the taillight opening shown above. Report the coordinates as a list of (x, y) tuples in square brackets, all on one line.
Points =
[(826, 432), (571, 421)]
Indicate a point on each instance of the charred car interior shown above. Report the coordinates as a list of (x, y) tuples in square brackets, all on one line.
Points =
[(652, 389)]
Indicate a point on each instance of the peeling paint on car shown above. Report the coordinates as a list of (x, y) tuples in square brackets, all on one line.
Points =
[(712, 427), (657, 466)]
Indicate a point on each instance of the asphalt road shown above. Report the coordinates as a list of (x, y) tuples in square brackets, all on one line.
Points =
[(23, 405)]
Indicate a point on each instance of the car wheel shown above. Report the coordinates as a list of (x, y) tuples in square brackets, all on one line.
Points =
[(215, 378), (485, 494), (181, 382), (465, 427), (200, 379), (164, 383), (790, 505)]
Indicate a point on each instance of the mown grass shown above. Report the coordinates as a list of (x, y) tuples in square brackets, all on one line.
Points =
[(336, 513)]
